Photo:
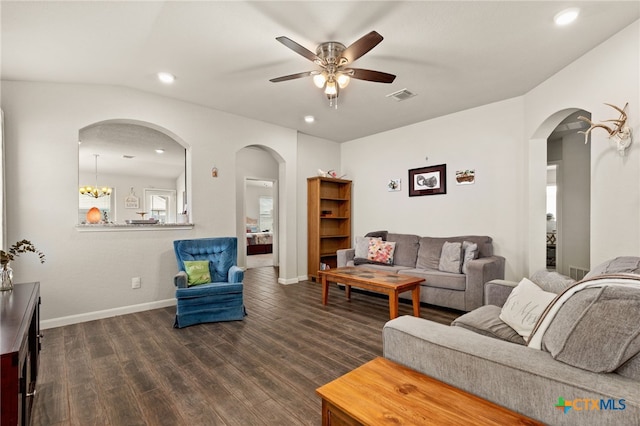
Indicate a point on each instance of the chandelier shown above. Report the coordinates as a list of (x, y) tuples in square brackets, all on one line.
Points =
[(95, 191)]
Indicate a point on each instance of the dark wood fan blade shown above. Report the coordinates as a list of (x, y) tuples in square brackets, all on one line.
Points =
[(291, 77), (300, 50), (362, 46), (369, 75)]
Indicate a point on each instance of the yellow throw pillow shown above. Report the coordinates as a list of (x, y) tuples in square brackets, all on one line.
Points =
[(197, 271)]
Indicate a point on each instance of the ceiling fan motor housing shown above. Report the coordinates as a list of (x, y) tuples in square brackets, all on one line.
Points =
[(330, 51)]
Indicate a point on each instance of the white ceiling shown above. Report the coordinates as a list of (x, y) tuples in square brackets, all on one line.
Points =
[(453, 54)]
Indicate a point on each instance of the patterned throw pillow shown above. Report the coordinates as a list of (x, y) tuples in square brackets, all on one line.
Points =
[(381, 251), (197, 272)]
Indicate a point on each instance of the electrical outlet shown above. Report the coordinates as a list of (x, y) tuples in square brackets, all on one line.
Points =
[(135, 282)]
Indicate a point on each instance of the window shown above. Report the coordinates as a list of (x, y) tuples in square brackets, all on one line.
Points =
[(266, 214), (160, 204)]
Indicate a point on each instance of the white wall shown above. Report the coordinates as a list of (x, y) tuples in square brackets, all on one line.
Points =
[(487, 139), (575, 198), (505, 143), (313, 154), (90, 272), (609, 73)]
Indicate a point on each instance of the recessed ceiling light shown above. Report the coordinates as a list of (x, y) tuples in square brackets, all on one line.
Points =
[(166, 77), (309, 118), (567, 16), (160, 150)]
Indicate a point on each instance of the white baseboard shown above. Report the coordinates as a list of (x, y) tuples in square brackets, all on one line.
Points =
[(288, 281), (107, 313), (303, 278)]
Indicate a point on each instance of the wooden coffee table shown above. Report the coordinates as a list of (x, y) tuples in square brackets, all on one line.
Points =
[(382, 392), (378, 281)]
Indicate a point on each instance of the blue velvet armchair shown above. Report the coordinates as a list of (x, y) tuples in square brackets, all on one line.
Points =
[(219, 300)]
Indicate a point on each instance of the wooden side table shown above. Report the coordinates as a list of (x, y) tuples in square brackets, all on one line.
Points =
[(382, 392)]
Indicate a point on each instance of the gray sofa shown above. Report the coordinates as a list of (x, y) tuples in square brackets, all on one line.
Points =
[(523, 379), (420, 256)]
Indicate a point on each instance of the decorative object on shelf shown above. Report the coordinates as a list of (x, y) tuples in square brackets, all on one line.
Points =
[(6, 273), (151, 221), (620, 133), (465, 177), (214, 172), (428, 180), (330, 174), (95, 191), (94, 216), (131, 201), (393, 185), (141, 214)]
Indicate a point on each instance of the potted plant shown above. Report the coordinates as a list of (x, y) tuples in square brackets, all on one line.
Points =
[(6, 273)]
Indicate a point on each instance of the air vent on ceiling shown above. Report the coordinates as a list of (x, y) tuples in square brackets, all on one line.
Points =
[(128, 157), (401, 95)]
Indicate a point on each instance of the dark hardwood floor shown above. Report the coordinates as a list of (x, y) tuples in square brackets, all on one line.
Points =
[(138, 370)]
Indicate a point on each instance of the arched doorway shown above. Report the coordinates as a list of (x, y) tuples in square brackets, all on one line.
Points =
[(538, 156), (257, 164)]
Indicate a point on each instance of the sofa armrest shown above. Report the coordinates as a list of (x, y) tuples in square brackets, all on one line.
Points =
[(180, 280), (345, 255), (480, 271), (522, 379), (236, 275), (497, 291)]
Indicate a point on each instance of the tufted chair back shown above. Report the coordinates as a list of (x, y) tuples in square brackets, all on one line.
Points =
[(221, 253)]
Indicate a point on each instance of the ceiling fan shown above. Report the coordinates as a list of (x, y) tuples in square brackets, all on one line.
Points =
[(334, 59)]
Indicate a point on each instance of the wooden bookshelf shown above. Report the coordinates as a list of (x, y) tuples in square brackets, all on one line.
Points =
[(328, 221)]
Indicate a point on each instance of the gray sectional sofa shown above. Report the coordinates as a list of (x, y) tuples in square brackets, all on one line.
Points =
[(477, 357), (420, 256)]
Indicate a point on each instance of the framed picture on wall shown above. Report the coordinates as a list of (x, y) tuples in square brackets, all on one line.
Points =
[(131, 202), (428, 180)]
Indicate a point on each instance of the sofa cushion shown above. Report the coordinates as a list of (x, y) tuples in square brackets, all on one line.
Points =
[(524, 306), (630, 368), (385, 268), (486, 320), (596, 329), (378, 234), (451, 257), (618, 265), (438, 279), (552, 281), (406, 251), (431, 247), (470, 252)]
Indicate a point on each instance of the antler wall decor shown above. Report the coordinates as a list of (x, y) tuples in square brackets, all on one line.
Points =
[(620, 133)]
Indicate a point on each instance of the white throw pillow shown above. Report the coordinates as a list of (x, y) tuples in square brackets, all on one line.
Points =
[(524, 306)]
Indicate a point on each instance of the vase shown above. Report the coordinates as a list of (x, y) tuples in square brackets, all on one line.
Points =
[(6, 273)]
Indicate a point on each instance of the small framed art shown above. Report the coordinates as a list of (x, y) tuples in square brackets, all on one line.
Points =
[(430, 180)]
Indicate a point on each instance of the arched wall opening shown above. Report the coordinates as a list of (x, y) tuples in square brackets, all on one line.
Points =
[(537, 182), (260, 162), (137, 155)]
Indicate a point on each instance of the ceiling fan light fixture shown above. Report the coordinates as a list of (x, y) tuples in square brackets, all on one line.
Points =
[(319, 80), (343, 80), (331, 89)]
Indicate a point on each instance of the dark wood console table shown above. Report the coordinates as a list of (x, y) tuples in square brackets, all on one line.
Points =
[(20, 348)]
